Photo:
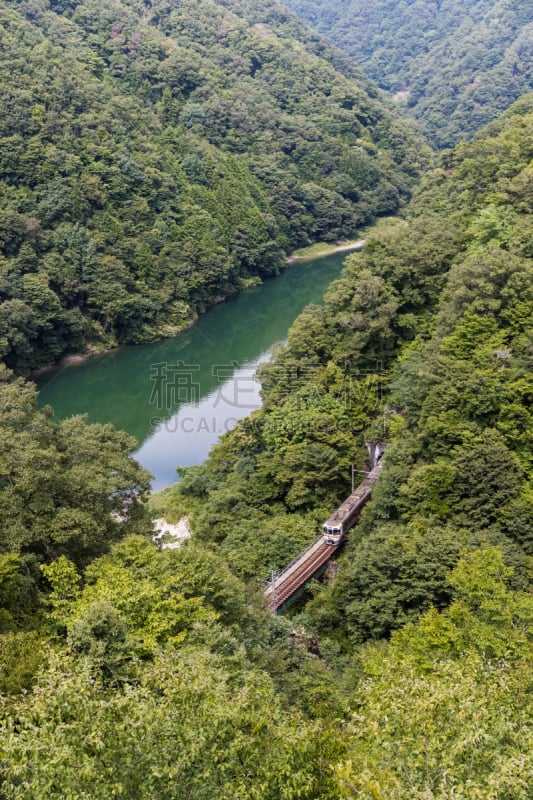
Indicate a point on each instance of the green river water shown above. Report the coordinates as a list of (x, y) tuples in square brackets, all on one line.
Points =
[(177, 396)]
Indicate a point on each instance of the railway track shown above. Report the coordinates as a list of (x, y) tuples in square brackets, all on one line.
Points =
[(309, 563), (298, 573)]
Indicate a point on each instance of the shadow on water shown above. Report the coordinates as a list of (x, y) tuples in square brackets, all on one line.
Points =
[(177, 396)]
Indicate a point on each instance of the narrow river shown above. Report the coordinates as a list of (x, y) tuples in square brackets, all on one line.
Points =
[(179, 395)]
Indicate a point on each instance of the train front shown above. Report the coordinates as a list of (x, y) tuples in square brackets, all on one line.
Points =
[(332, 535)]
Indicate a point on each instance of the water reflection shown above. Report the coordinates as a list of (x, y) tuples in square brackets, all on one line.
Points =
[(186, 437), (179, 395)]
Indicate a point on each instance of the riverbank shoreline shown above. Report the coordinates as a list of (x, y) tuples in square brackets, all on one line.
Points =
[(331, 251), (76, 359), (69, 360)]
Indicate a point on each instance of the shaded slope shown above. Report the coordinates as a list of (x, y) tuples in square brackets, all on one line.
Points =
[(156, 157), (455, 65)]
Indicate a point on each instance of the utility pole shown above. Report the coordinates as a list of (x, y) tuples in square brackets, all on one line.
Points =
[(360, 472)]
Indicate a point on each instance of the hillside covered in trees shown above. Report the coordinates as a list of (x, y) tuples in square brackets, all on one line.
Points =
[(454, 64), (155, 157), (426, 341), (130, 671), (432, 318)]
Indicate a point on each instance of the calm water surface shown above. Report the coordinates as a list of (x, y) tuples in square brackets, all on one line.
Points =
[(179, 395)]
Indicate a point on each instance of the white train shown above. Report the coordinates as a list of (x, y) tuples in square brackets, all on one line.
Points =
[(347, 514)]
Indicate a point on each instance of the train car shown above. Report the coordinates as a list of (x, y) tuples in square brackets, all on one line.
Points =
[(347, 514)]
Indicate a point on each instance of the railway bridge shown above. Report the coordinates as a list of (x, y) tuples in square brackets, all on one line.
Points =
[(285, 587)]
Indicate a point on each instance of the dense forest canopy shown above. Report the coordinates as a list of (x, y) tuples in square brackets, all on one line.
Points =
[(453, 64), (431, 318), (425, 340), (154, 157), (126, 670)]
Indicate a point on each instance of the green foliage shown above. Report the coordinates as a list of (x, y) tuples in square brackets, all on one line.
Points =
[(387, 579), (67, 488), (302, 676), (22, 654), (100, 634), (445, 708), (487, 615), (170, 154), (18, 596), (135, 588), (443, 303), (67, 491), (157, 595), (465, 728), (193, 726), (453, 66), (149, 696), (456, 473), (155, 158), (255, 545)]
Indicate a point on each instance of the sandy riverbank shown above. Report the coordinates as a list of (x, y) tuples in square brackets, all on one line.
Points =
[(341, 248)]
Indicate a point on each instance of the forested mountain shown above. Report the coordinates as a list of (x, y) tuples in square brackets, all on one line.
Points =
[(156, 156), (433, 316), (125, 670), (454, 64), (153, 156), (426, 341)]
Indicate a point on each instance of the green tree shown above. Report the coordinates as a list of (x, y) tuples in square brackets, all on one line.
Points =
[(453, 66), (192, 726), (64, 488), (445, 707), (167, 169)]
